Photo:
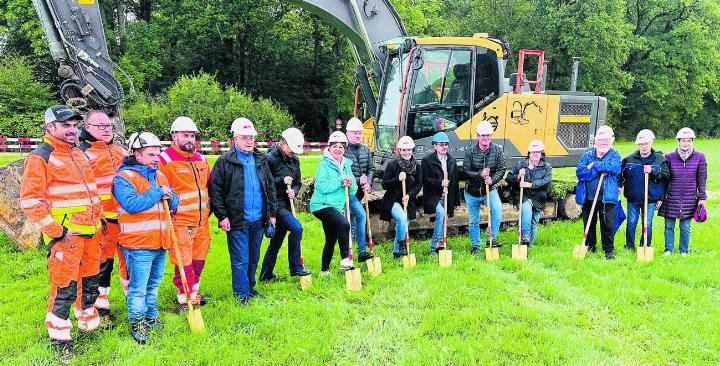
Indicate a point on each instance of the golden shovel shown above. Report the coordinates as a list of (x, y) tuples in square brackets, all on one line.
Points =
[(492, 253), (580, 250), (520, 251), (353, 279), (374, 265), (445, 254), (409, 260), (305, 281), (195, 319), (645, 253)]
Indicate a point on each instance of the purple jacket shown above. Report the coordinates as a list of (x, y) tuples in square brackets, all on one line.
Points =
[(685, 187)]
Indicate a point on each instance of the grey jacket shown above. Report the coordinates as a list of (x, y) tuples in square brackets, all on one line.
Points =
[(476, 160)]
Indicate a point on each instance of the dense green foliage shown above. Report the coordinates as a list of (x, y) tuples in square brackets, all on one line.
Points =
[(657, 61), (22, 98)]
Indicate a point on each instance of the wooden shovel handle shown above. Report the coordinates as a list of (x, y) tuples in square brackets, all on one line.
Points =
[(178, 256), (487, 201), (592, 208), (645, 211)]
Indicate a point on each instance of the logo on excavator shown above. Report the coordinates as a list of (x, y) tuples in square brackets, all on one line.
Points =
[(494, 120), (517, 115)]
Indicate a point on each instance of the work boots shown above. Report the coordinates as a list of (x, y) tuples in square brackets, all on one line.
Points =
[(364, 256), (140, 331), (64, 350)]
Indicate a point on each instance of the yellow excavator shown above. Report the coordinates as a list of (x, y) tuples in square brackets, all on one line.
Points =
[(420, 86)]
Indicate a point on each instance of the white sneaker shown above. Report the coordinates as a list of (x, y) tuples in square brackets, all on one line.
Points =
[(683, 254), (667, 253), (324, 273), (346, 264)]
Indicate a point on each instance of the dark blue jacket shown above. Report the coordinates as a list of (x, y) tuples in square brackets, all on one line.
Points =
[(588, 178), (632, 177)]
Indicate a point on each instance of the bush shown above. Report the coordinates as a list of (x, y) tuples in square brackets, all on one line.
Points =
[(23, 100), (212, 107)]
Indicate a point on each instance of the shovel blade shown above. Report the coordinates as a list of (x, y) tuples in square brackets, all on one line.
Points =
[(649, 254), (305, 282), (519, 252), (445, 257), (492, 254), (409, 260), (196, 322), (353, 280), (374, 266), (580, 251)]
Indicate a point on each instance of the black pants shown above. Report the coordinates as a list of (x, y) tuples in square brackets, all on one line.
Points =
[(284, 224), (606, 212), (337, 229)]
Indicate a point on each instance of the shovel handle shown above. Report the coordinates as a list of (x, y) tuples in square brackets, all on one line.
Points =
[(407, 226), (520, 205), (592, 209), (487, 200), (645, 211), (292, 202), (347, 215), (367, 223), (445, 205), (178, 256)]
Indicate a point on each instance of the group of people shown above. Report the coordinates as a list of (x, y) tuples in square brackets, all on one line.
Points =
[(93, 200)]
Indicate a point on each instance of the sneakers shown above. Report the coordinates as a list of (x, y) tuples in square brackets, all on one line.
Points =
[(630, 248), (364, 256), (667, 253), (106, 322), (683, 254), (300, 272), (346, 264), (270, 279), (324, 273), (403, 249), (155, 324), (495, 244), (396, 255), (140, 331), (525, 240), (475, 251), (609, 256), (243, 301), (433, 253), (64, 350), (254, 294)]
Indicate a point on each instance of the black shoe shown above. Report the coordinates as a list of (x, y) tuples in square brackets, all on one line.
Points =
[(630, 248), (270, 279), (433, 253), (475, 251), (140, 331), (609, 256), (403, 250), (364, 256), (592, 249), (396, 256), (300, 272), (155, 324), (64, 350), (243, 301), (204, 300), (495, 244), (254, 294)]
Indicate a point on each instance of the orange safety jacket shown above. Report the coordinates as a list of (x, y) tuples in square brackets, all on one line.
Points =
[(188, 174), (147, 229), (59, 191), (105, 159)]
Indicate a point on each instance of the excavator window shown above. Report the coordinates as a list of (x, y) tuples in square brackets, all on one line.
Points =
[(486, 77), (441, 92), (390, 104)]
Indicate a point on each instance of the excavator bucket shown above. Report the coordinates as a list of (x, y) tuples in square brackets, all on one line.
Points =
[(25, 234)]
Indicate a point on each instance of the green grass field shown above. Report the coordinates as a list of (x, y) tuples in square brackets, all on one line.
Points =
[(550, 310)]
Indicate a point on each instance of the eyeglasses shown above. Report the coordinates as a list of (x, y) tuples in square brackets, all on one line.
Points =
[(245, 138), (100, 127), (442, 144)]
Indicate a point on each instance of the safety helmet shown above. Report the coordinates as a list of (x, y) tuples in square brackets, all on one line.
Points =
[(406, 142), (336, 137), (183, 124), (440, 137), (354, 124), (644, 136), (484, 128), (535, 146), (294, 140), (143, 139), (242, 126), (604, 132), (685, 133)]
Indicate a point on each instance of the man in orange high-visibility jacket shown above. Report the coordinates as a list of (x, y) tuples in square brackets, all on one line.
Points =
[(59, 193), (188, 173), (140, 190), (105, 158)]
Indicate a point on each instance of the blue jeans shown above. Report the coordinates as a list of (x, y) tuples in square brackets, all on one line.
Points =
[(400, 225), (684, 235), (358, 222), (635, 215), (438, 230), (473, 205), (530, 220), (244, 248), (284, 224), (145, 269)]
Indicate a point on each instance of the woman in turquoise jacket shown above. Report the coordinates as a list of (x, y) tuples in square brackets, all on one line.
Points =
[(333, 175)]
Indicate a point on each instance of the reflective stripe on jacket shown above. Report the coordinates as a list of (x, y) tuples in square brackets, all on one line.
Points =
[(188, 174)]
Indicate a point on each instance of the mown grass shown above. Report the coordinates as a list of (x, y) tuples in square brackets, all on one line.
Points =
[(550, 310)]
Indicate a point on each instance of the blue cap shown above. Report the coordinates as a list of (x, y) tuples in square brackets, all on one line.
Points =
[(440, 137)]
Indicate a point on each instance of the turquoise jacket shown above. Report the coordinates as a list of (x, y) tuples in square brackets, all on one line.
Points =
[(329, 191)]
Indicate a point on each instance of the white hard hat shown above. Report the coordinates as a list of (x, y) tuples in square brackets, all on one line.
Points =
[(354, 124), (644, 137), (604, 132), (242, 126), (143, 139), (183, 124), (484, 128), (685, 133), (406, 142), (294, 139), (536, 145), (337, 136)]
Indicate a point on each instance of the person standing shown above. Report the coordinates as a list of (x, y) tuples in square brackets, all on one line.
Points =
[(685, 190), (363, 170)]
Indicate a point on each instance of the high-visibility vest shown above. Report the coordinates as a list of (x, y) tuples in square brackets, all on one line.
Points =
[(59, 190), (105, 160), (147, 229), (188, 175)]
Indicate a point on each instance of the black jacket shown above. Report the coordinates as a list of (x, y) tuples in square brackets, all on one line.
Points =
[(362, 163), (227, 184), (432, 176), (540, 177), (632, 177), (393, 189), (282, 166), (476, 160)]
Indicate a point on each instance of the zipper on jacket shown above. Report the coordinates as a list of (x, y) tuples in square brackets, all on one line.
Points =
[(197, 185), (87, 188)]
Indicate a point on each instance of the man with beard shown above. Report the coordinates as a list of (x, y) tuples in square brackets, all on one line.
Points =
[(188, 173), (105, 158), (59, 193)]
